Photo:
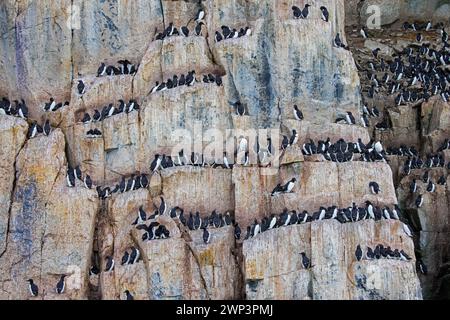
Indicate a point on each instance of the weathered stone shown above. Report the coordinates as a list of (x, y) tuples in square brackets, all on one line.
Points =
[(275, 271), (47, 237), (12, 138)]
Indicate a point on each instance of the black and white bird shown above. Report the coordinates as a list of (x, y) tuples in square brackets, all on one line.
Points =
[(305, 11), (34, 130), (297, 12), (325, 13), (81, 87), (358, 253), (404, 256), (200, 15), (206, 236), (374, 187), (421, 267), (156, 163), (128, 295), (305, 261), (431, 187), (47, 128), (134, 255), (70, 178), (61, 285), (87, 182), (419, 201), (125, 258), (101, 70), (407, 230), (287, 188), (33, 288), (298, 114), (363, 32), (413, 186), (162, 207), (109, 264), (294, 138), (198, 28)]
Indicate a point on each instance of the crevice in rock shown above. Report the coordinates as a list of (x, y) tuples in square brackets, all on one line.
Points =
[(197, 261), (188, 241), (11, 198)]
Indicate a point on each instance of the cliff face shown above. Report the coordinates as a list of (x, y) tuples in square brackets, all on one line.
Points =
[(423, 125), (48, 229)]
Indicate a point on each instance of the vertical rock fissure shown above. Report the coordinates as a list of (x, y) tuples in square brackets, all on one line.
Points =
[(11, 199), (197, 261)]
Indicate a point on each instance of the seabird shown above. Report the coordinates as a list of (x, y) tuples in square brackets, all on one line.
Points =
[(375, 52), (298, 114), (33, 288), (325, 14), (128, 295), (419, 201), (363, 32), (284, 143), (47, 127), (370, 254), (237, 232), (374, 187), (240, 110), (404, 256), (185, 31), (109, 264), (413, 186), (70, 178), (305, 11), (34, 130), (305, 261), (200, 15), (206, 235), (272, 222), (197, 221), (88, 182), (198, 28), (125, 258), (162, 207), (297, 12), (287, 188), (101, 70), (97, 116), (156, 163), (218, 36), (407, 230), (81, 87), (60, 286), (421, 267), (431, 187), (358, 253), (134, 256)]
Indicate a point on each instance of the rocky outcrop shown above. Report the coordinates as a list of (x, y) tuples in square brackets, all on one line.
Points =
[(423, 125), (12, 138), (48, 235), (274, 270), (181, 267)]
